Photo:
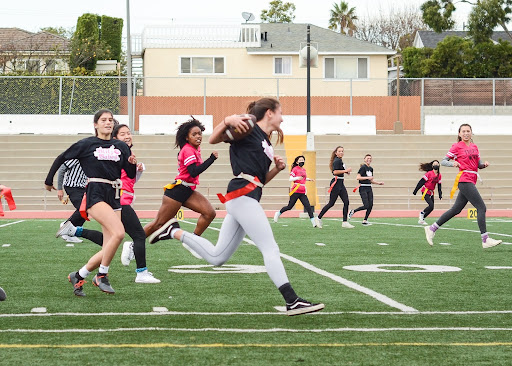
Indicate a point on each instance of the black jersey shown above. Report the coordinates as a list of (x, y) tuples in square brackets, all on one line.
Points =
[(365, 171), (337, 164), (98, 158), (251, 155)]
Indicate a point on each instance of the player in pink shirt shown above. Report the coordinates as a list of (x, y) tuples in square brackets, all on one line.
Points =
[(182, 192), (428, 184), (466, 157), (298, 177)]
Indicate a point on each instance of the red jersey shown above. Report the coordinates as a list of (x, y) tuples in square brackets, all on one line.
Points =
[(467, 157), (188, 155), (297, 171), (431, 179)]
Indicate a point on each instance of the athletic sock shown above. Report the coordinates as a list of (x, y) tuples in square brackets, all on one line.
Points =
[(313, 221), (83, 272), (138, 270), (288, 293), (485, 236), (434, 227), (173, 231), (103, 270), (79, 230)]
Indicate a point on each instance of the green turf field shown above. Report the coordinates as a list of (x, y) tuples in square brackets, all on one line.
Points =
[(450, 304)]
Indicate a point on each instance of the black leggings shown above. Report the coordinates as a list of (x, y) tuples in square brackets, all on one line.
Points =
[(340, 191), (76, 195), (303, 199), (467, 193), (430, 202), (366, 194)]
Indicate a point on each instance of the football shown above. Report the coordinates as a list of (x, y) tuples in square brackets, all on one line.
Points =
[(233, 134)]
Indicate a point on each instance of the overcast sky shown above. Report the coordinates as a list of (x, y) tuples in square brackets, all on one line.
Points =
[(32, 15)]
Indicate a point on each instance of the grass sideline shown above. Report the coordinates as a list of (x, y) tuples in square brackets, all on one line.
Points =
[(221, 316)]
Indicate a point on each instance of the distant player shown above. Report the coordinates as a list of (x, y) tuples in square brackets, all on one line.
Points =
[(298, 177), (466, 157), (365, 178), (428, 184)]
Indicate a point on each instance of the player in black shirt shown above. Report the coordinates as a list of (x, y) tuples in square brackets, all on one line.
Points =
[(365, 178), (337, 186), (251, 158), (102, 159)]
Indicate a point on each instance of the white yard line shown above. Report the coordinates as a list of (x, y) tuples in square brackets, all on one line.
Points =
[(268, 330), (12, 223), (441, 228)]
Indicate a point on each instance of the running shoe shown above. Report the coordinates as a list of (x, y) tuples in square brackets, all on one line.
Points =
[(77, 284), (146, 277), (164, 232), (103, 284), (127, 255), (347, 225), (301, 306), (490, 242), (430, 235)]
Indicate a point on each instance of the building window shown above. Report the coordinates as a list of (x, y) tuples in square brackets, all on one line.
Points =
[(346, 67), (50, 66), (202, 65), (283, 65), (33, 66)]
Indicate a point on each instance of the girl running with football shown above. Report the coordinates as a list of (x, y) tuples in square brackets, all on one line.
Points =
[(428, 184), (298, 177), (464, 155), (365, 178), (337, 186), (251, 158), (102, 160), (182, 192)]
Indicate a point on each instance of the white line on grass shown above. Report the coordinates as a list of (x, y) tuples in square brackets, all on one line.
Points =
[(209, 314), (12, 223), (442, 228), (379, 297), (269, 330)]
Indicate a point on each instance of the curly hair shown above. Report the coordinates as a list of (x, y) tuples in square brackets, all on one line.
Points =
[(183, 130)]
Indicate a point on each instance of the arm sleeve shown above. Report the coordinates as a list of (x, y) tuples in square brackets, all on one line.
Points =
[(129, 168), (60, 176), (419, 185), (439, 190), (446, 161), (481, 164), (55, 166), (194, 170)]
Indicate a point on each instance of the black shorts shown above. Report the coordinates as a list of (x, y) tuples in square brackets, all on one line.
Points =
[(179, 193), (102, 192)]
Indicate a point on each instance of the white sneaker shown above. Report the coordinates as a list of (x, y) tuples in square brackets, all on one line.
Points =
[(66, 229), (347, 225), (422, 222), (127, 255), (318, 222), (490, 242), (430, 235), (71, 239), (146, 277), (192, 251), (276, 216)]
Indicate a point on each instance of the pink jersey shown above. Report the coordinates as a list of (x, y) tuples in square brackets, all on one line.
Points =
[(188, 155), (468, 158), (431, 180), (299, 172), (128, 189)]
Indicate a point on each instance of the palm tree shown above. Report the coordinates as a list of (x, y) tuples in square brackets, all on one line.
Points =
[(343, 17)]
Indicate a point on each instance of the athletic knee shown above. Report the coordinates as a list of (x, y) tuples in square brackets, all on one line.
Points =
[(210, 215)]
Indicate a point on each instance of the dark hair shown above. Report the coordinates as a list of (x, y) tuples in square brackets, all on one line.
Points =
[(333, 156), (426, 167), (116, 129), (259, 107), (460, 128), (295, 161), (365, 158), (98, 114), (183, 130)]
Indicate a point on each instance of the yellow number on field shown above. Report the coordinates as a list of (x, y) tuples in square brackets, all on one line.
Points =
[(472, 213), (179, 215)]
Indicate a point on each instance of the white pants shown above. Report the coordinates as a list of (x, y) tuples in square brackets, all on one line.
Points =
[(244, 216)]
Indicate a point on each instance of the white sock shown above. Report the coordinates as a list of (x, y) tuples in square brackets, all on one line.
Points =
[(313, 221), (83, 272), (173, 231), (103, 269)]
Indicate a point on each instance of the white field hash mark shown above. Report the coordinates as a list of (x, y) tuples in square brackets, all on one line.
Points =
[(377, 296)]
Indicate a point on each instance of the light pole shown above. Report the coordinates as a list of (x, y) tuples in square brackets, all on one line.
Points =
[(398, 127), (129, 66)]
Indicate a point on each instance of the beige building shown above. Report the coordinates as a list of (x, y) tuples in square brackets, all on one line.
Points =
[(259, 59)]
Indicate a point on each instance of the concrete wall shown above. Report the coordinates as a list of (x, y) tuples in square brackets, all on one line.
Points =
[(480, 124)]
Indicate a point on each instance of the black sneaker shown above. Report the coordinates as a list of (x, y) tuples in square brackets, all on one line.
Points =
[(164, 232), (350, 214), (301, 306), (77, 284), (103, 284)]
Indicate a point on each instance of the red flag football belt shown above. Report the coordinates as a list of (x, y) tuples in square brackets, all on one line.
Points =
[(251, 186)]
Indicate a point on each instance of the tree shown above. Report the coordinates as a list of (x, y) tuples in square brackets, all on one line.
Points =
[(59, 31), (485, 16), (278, 12), (343, 17), (395, 29)]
